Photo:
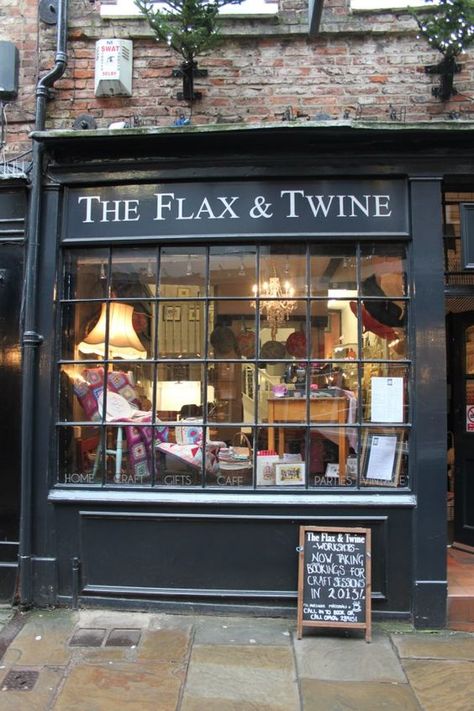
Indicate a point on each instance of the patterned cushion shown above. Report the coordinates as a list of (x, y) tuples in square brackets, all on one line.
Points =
[(189, 433), (191, 454)]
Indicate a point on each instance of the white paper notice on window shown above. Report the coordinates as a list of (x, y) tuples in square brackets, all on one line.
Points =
[(383, 449), (387, 400)]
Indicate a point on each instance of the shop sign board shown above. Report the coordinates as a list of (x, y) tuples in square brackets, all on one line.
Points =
[(334, 578), (242, 209)]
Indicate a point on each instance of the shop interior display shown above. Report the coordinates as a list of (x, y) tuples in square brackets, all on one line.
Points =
[(204, 353)]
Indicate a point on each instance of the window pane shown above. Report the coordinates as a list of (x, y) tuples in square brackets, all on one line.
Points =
[(183, 272), (384, 457), (334, 329), (129, 393), (333, 270), (77, 321), (226, 390), (85, 274), (231, 329), (383, 270), (333, 457), (232, 270), (78, 462), (282, 270), (385, 393), (128, 454), (180, 391), (335, 379), (282, 329), (229, 458), (181, 329), (108, 330), (384, 324), (179, 458), (134, 273)]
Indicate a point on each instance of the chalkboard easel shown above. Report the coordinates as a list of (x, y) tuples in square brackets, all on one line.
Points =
[(334, 578)]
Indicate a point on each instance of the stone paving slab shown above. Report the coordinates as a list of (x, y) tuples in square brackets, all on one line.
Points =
[(6, 615), (441, 685), (43, 640), (231, 630), (356, 696), (114, 618), (252, 677), (206, 704), (340, 659), (39, 699), (121, 687), (435, 646), (165, 645)]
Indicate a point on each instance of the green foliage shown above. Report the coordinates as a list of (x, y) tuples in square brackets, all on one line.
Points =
[(449, 28), (187, 26)]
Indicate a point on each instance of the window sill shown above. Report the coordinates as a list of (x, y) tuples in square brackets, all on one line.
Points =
[(251, 498), (388, 6), (126, 9)]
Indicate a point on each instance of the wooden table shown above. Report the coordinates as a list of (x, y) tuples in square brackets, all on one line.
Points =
[(321, 409)]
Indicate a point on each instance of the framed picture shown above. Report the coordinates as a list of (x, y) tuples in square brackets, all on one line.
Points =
[(172, 313), (289, 473), (266, 470), (382, 452), (194, 313), (332, 471), (183, 291)]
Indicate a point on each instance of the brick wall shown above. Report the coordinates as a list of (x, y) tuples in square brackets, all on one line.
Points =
[(361, 65), (18, 24)]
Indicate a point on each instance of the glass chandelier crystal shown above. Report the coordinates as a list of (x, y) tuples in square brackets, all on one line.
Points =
[(278, 309)]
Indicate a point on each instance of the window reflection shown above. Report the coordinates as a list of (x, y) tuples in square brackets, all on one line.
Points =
[(333, 269)]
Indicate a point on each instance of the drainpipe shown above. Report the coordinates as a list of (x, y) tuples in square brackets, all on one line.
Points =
[(31, 339)]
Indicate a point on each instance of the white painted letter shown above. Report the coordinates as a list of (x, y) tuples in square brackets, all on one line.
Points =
[(113, 210), (292, 194), (228, 202), (381, 203), (324, 208), (205, 207), (355, 201), (131, 208), (160, 205), (180, 202), (88, 206)]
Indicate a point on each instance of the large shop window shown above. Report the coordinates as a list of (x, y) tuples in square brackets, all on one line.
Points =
[(255, 367)]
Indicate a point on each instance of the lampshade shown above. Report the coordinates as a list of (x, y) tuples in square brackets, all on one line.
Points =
[(123, 340), (172, 395)]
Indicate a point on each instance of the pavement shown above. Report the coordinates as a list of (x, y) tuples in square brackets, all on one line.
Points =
[(96, 660)]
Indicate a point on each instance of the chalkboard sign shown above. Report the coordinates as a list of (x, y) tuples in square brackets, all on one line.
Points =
[(334, 580)]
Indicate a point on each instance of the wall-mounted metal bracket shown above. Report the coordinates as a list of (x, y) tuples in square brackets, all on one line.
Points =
[(446, 69), (48, 11), (188, 71)]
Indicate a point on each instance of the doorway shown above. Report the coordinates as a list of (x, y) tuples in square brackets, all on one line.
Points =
[(11, 279), (460, 480)]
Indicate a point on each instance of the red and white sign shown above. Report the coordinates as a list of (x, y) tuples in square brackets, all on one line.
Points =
[(469, 418)]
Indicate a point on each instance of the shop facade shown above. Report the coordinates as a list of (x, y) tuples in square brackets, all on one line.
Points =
[(243, 332)]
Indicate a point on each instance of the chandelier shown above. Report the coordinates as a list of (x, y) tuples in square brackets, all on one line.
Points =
[(281, 305)]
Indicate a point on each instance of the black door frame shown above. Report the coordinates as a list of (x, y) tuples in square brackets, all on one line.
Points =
[(458, 322)]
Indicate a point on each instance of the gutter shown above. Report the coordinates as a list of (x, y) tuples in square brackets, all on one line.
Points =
[(31, 339)]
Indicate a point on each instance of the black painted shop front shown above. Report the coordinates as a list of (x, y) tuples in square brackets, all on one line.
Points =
[(238, 343)]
